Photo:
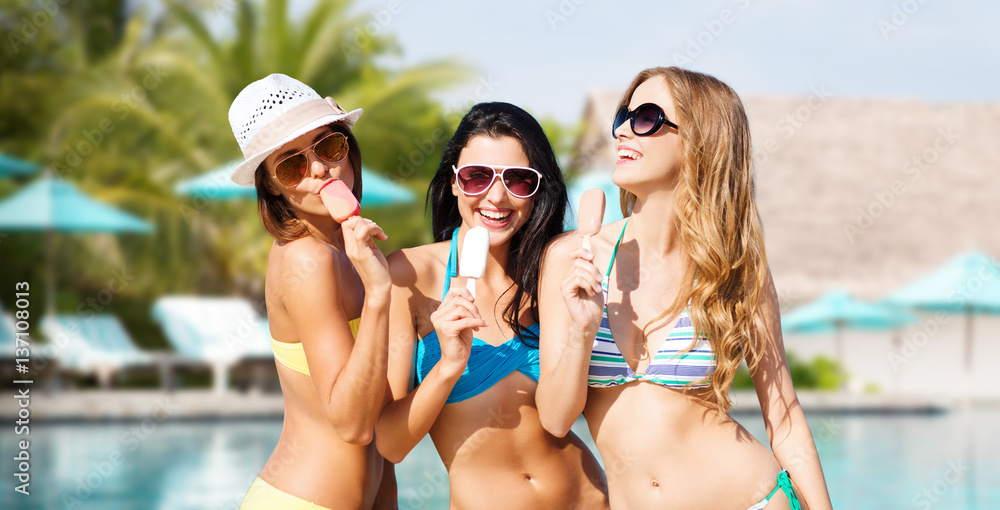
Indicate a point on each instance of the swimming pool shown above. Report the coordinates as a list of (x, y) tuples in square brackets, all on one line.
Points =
[(949, 461)]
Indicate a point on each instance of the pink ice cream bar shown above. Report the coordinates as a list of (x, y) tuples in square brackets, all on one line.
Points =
[(339, 200), (591, 214)]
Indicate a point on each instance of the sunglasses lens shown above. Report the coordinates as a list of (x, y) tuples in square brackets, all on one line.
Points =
[(646, 119), (290, 171), (521, 182), (620, 119), (333, 148), (474, 179)]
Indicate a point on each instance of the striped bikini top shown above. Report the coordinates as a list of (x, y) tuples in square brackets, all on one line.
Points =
[(488, 363), (671, 367)]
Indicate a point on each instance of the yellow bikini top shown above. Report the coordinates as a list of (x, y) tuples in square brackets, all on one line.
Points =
[(291, 354)]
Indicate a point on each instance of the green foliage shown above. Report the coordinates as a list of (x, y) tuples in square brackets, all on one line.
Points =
[(563, 139), (821, 373), (126, 105), (742, 380), (828, 373), (804, 374)]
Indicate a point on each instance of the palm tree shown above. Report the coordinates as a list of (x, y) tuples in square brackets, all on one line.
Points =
[(323, 51), (129, 118)]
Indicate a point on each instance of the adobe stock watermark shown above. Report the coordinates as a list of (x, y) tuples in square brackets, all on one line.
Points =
[(432, 484), (287, 454), (362, 36), (899, 16), (826, 431), (428, 147), (562, 11), (59, 339), (954, 472), (791, 122), (911, 345), (497, 417), (885, 199), (620, 464), (712, 31), (928, 328), (223, 8), (129, 442), (788, 298), (28, 27), (211, 187), (93, 137), (593, 149), (246, 331)]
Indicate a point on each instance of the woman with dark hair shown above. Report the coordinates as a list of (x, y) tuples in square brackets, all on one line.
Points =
[(648, 347), (327, 294), (475, 395)]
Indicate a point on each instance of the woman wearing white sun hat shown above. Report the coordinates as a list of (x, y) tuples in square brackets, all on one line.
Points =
[(327, 294)]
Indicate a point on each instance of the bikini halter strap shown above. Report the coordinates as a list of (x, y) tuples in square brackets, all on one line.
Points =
[(452, 263), (614, 253)]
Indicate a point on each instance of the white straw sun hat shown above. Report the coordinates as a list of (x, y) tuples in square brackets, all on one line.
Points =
[(273, 111)]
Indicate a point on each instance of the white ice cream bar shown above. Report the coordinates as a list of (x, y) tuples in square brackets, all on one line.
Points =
[(472, 263)]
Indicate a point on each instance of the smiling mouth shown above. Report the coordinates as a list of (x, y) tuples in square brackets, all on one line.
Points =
[(494, 216), (628, 155)]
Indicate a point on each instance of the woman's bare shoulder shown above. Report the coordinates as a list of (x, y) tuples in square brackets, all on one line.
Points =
[(562, 246), (410, 266), (302, 260)]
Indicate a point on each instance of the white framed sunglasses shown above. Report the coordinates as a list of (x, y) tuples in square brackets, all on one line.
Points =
[(520, 181)]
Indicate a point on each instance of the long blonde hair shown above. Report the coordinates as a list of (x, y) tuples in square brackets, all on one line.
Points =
[(717, 222)]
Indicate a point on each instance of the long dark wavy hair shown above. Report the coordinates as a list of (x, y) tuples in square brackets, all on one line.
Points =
[(498, 120)]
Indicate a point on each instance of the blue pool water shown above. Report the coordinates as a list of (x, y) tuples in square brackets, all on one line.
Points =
[(949, 461)]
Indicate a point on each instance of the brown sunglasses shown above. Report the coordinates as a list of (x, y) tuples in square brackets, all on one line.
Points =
[(332, 148)]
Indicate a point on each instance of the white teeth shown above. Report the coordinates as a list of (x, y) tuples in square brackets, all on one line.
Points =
[(494, 215), (628, 154)]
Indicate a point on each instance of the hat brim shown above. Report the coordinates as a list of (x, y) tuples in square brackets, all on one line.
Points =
[(243, 174)]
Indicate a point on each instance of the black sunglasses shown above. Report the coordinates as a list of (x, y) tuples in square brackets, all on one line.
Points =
[(646, 119)]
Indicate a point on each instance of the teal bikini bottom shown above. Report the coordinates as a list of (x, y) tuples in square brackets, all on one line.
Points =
[(785, 485)]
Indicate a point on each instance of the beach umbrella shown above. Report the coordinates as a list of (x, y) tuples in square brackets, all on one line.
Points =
[(53, 205), (968, 284), (836, 311), (216, 185), (11, 166), (377, 191), (602, 180)]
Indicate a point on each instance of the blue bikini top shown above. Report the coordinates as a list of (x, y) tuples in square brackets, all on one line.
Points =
[(488, 364)]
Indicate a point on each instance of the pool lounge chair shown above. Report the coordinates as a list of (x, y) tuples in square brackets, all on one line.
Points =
[(95, 344), (218, 331)]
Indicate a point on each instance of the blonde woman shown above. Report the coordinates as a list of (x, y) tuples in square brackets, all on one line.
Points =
[(327, 292), (618, 322)]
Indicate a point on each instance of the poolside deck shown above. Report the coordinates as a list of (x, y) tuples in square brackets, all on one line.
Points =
[(100, 405), (206, 405)]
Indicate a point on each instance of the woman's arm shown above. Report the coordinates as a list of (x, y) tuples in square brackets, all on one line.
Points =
[(570, 305), (411, 414), (791, 439), (348, 373)]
